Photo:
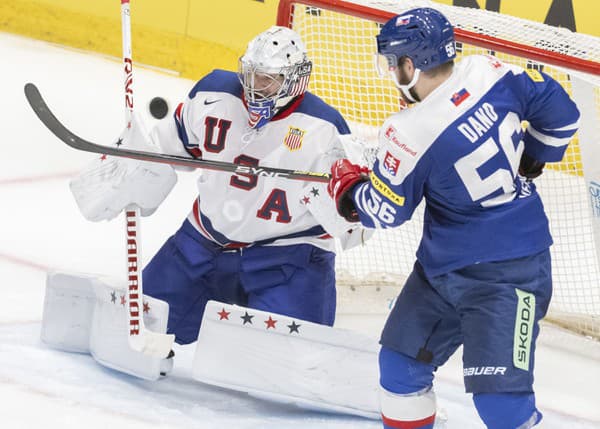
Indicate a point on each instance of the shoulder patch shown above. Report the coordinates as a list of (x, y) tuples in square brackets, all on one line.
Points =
[(535, 75), (391, 164), (293, 139), (391, 134)]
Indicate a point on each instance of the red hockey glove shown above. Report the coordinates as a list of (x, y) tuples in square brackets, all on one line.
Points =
[(344, 177)]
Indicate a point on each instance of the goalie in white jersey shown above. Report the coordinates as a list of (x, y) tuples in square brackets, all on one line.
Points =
[(483, 276), (261, 242)]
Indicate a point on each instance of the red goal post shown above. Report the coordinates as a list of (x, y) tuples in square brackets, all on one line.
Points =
[(285, 14), (340, 37)]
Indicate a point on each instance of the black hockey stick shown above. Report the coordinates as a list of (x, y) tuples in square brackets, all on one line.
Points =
[(43, 112)]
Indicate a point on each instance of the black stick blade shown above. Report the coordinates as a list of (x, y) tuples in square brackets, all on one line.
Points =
[(43, 112)]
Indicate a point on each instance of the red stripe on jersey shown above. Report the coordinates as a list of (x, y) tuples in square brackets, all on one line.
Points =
[(207, 235), (236, 245), (178, 111), (289, 110), (201, 228), (195, 152), (414, 424)]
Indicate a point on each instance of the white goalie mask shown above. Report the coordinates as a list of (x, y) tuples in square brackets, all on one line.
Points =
[(274, 70)]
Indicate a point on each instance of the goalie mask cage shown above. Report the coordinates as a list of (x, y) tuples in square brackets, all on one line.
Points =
[(340, 37)]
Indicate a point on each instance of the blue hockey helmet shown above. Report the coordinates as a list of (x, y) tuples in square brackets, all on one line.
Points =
[(424, 35)]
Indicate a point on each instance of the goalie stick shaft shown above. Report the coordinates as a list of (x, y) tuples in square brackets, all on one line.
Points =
[(139, 338), (43, 112)]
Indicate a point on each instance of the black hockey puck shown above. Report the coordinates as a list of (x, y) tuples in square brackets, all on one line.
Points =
[(158, 107)]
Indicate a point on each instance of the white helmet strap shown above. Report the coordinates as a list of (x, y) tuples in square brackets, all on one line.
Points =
[(282, 102), (406, 88)]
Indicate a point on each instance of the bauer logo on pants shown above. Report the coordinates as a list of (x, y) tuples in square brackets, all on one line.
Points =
[(523, 329)]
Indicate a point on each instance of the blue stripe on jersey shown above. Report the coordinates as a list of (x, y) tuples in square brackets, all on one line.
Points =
[(219, 81), (222, 240), (181, 132), (226, 81), (315, 107), (180, 125)]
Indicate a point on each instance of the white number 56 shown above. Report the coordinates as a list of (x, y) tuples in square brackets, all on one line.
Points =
[(502, 178)]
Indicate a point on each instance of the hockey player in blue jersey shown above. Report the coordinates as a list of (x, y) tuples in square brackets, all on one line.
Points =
[(483, 273), (262, 242)]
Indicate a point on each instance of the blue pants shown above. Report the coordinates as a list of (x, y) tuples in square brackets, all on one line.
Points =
[(493, 309), (188, 271)]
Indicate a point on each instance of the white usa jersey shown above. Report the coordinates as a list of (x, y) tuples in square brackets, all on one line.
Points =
[(460, 150), (236, 209)]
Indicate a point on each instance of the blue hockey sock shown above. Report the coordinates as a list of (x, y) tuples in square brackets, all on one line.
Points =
[(403, 374), (507, 410), (406, 398)]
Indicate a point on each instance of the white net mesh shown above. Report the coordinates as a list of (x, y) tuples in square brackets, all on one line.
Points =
[(342, 47)]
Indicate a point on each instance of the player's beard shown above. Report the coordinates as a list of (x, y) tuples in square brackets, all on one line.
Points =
[(404, 78)]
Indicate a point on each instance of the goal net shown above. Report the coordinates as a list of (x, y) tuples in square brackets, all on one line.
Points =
[(340, 37)]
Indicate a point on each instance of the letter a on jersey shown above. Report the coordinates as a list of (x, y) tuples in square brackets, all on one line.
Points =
[(276, 202)]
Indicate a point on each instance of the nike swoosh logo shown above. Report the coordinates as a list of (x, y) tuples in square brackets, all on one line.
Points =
[(206, 102)]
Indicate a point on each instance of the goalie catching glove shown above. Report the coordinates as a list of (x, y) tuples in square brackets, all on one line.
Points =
[(344, 177), (109, 184)]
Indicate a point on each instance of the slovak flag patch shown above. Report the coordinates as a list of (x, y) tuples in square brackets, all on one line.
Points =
[(403, 20), (391, 164), (460, 96)]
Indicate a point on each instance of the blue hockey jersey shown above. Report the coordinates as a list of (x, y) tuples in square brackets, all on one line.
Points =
[(460, 150)]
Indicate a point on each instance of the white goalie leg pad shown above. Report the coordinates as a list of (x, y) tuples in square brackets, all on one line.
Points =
[(411, 410), (88, 314), (68, 309), (110, 330), (288, 360)]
